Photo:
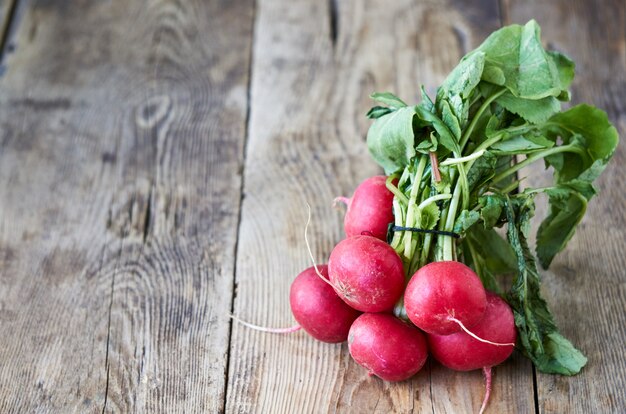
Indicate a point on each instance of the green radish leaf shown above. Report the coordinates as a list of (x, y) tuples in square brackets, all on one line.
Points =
[(538, 334), (389, 99), (565, 67), (472, 256), (493, 126), (491, 255), (491, 210), (445, 138), (426, 102), (498, 255), (378, 111), (453, 96), (534, 111), (521, 144), (429, 216), (465, 220), (479, 133), (450, 120), (465, 76), (390, 139), (426, 146), (567, 208), (503, 163), (515, 58), (588, 129), (482, 170)]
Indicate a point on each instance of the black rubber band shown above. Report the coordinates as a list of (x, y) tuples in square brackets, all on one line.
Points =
[(415, 229)]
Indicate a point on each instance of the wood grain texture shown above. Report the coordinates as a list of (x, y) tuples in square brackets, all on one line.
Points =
[(586, 284), (121, 153), (312, 73)]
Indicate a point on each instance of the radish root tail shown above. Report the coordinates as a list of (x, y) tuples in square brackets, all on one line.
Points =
[(344, 200), (308, 247), (487, 372), (478, 338), (265, 329)]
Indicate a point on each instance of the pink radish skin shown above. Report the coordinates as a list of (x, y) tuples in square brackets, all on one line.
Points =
[(370, 210), (441, 292), (387, 347), (317, 308), (461, 352), (366, 273)]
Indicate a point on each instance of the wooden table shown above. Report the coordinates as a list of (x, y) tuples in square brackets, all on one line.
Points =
[(156, 158)]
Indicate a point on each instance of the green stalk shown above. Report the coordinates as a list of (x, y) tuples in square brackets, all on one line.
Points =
[(453, 161), (395, 190), (431, 200), (515, 184), (489, 142), (464, 185), (410, 214), (418, 260), (405, 176), (539, 190), (534, 157), (477, 116), (474, 255), (449, 226), (398, 213), (428, 238)]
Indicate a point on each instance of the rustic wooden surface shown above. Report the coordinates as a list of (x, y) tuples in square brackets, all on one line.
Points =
[(156, 158)]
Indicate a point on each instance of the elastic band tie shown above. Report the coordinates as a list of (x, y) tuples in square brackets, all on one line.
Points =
[(417, 230)]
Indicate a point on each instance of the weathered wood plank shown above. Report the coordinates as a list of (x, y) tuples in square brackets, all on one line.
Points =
[(585, 285), (120, 172), (310, 88)]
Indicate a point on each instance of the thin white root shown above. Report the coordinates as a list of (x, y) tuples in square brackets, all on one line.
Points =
[(265, 329), (487, 372), (478, 338), (308, 247)]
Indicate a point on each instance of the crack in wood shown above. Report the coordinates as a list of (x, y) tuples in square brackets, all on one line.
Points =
[(10, 23), (106, 354), (535, 390), (148, 215), (333, 20)]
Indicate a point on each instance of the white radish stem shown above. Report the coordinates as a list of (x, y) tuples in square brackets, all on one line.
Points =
[(478, 338), (265, 329), (487, 372)]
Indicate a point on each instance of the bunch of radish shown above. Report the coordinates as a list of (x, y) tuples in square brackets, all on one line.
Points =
[(353, 298), (420, 268)]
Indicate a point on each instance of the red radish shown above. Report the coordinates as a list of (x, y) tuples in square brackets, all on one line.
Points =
[(462, 352), (443, 297), (388, 347), (318, 309), (366, 273), (370, 210)]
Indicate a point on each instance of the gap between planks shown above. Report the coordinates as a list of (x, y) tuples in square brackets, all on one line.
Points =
[(241, 197)]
